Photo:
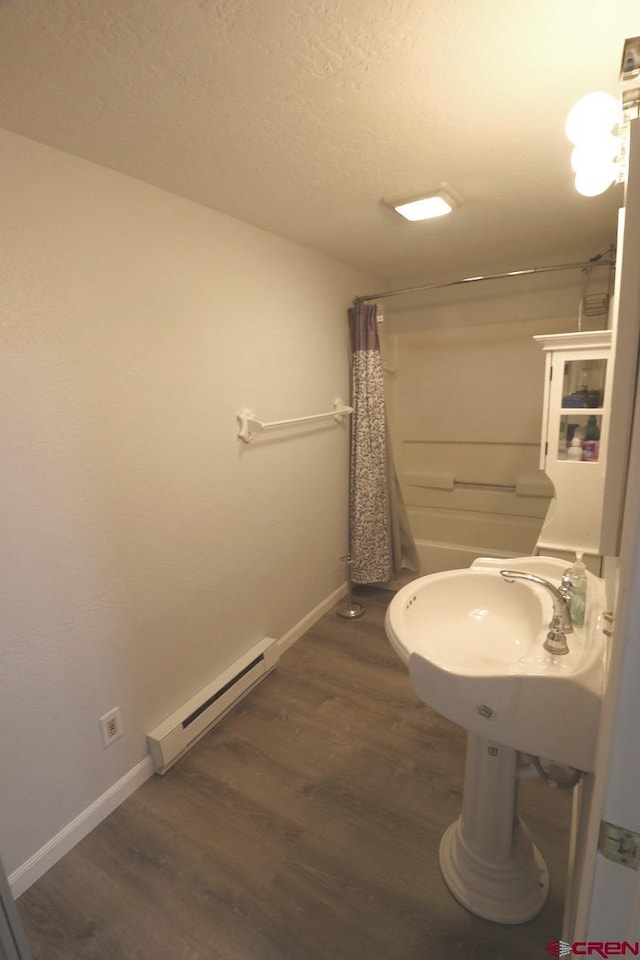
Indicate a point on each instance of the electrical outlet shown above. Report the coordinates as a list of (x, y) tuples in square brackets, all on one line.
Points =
[(111, 726)]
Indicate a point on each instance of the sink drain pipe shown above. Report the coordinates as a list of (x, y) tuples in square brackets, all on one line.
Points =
[(529, 761), (573, 780)]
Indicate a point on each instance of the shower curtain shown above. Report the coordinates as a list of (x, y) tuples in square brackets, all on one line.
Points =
[(380, 538)]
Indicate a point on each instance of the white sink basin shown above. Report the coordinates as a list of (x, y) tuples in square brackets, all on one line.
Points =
[(473, 644)]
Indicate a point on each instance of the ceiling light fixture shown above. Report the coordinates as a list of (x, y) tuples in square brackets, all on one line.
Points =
[(425, 207), (589, 127)]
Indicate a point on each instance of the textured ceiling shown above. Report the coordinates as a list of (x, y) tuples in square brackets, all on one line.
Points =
[(300, 115)]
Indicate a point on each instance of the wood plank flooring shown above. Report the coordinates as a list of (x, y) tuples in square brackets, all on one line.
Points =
[(304, 827)]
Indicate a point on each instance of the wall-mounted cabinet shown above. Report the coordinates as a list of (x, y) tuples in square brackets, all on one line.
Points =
[(575, 426)]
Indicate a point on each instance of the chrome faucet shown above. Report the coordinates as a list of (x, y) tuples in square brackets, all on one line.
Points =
[(561, 624)]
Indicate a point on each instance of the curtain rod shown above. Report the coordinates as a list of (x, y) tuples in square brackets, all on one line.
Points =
[(587, 265)]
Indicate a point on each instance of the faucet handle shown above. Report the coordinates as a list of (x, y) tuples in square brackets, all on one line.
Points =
[(556, 641)]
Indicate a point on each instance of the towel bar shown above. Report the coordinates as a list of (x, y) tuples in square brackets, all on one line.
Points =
[(250, 426)]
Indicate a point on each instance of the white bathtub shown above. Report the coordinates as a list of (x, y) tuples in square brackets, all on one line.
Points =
[(436, 556)]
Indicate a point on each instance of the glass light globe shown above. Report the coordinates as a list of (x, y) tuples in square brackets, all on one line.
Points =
[(596, 180), (594, 115), (599, 153)]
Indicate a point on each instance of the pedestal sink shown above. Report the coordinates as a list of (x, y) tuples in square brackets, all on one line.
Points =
[(473, 644)]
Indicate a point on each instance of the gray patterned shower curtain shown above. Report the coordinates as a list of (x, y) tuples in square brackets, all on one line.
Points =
[(380, 538)]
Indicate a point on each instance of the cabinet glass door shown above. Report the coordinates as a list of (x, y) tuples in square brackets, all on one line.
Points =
[(583, 385)]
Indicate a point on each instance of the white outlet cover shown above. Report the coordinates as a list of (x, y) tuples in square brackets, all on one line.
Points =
[(111, 726)]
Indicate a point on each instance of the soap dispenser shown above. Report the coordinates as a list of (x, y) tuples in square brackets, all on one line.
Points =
[(577, 574)]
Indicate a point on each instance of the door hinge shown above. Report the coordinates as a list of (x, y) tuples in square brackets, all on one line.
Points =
[(619, 844)]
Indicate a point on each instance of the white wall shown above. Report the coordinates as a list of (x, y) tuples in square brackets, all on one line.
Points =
[(144, 547)]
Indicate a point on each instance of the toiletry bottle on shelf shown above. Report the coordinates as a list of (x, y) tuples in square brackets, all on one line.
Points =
[(592, 430), (575, 449), (578, 577), (591, 440)]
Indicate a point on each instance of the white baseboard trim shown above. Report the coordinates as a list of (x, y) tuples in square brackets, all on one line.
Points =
[(290, 637), (55, 848)]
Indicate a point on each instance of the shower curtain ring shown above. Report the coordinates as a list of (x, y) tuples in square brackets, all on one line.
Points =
[(348, 610)]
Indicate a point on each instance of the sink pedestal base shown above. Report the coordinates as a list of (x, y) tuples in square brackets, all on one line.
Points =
[(486, 856)]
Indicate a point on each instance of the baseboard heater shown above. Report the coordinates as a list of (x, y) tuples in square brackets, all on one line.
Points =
[(172, 738)]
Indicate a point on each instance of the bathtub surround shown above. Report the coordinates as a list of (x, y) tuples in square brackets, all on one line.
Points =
[(145, 547), (466, 399), (380, 538)]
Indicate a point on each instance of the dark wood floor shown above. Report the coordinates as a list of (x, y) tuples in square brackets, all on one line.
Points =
[(304, 827)]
